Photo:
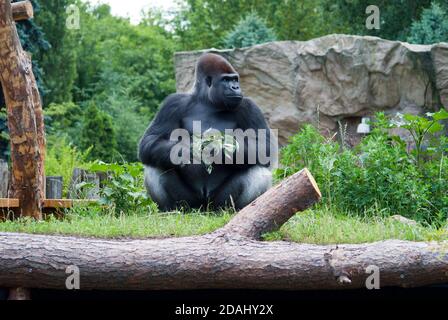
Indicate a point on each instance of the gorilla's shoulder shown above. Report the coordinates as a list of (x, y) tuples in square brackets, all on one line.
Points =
[(249, 104), (175, 102), (177, 98)]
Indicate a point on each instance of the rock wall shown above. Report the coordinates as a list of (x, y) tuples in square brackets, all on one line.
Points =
[(335, 80)]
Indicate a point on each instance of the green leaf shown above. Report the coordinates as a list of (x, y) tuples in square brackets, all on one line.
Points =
[(436, 127), (442, 114)]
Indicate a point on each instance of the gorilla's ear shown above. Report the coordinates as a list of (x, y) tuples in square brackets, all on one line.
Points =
[(208, 81)]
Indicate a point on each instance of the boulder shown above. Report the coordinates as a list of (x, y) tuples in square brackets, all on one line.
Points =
[(333, 81)]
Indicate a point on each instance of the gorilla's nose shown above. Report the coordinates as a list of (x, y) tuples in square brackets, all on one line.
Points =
[(236, 90)]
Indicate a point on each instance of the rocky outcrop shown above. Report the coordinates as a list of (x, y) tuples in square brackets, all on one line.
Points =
[(334, 80)]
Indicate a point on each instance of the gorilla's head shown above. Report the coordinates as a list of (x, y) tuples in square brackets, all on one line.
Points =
[(217, 81)]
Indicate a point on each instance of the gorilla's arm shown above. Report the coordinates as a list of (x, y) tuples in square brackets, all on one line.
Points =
[(251, 117), (155, 145)]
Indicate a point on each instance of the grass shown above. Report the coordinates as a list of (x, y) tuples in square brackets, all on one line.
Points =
[(135, 225), (324, 227), (319, 226)]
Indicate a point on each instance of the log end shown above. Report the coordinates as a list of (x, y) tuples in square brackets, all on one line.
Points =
[(312, 181), (22, 10)]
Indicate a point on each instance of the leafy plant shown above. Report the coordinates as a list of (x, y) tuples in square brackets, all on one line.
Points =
[(123, 190), (62, 157), (420, 127), (210, 144), (380, 175)]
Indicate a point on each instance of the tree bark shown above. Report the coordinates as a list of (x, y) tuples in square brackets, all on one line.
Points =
[(231, 257), (272, 209), (25, 118), (210, 262), (22, 10)]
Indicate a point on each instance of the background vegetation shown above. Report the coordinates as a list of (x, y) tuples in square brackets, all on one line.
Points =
[(111, 67)]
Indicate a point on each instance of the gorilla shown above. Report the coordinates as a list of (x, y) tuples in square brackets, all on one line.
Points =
[(216, 103)]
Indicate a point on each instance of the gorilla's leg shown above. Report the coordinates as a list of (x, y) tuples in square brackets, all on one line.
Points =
[(242, 188), (168, 190)]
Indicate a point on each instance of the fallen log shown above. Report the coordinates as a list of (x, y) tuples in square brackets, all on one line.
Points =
[(231, 257)]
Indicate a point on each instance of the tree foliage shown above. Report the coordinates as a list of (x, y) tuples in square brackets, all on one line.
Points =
[(126, 70), (98, 133), (395, 16), (59, 63), (248, 32), (203, 24), (432, 26)]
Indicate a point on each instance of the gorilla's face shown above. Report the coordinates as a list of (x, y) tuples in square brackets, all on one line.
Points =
[(225, 91)]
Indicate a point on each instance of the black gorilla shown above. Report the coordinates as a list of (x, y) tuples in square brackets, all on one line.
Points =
[(218, 103)]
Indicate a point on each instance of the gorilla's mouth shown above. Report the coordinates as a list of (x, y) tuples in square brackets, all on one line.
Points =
[(233, 101), (234, 97)]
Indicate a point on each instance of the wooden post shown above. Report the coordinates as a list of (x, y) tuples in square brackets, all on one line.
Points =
[(53, 187), (25, 119), (4, 178)]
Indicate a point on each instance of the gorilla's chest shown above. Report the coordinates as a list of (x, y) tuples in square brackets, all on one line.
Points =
[(206, 117)]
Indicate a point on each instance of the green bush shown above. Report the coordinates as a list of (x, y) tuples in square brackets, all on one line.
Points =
[(249, 31), (62, 158), (124, 190), (432, 26), (380, 175)]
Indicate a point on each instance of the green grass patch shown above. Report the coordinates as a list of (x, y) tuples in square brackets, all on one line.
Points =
[(325, 227), (319, 226), (174, 224)]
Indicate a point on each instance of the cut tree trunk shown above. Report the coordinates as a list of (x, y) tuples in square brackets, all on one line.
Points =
[(25, 119), (231, 257), (22, 10)]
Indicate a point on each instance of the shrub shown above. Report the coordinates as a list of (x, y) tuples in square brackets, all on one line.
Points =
[(62, 158), (380, 175), (432, 26), (249, 31), (123, 190)]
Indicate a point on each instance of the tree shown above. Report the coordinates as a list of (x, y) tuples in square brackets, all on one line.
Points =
[(432, 26), (128, 124), (58, 63), (203, 24), (98, 132), (249, 31), (395, 16)]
